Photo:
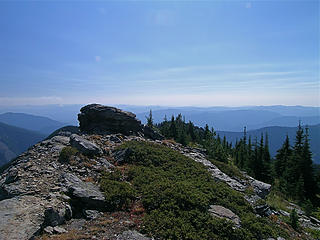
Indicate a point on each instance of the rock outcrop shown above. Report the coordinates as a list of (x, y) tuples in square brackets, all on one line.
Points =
[(96, 118)]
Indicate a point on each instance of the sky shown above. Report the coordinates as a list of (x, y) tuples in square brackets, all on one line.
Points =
[(173, 53)]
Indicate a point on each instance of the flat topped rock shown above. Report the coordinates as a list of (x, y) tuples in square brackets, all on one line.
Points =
[(107, 111), (96, 118)]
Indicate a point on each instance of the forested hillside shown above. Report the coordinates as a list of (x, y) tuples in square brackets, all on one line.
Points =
[(276, 137)]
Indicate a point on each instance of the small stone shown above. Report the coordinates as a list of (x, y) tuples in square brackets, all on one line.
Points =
[(59, 230), (91, 214), (284, 213), (48, 230), (132, 235)]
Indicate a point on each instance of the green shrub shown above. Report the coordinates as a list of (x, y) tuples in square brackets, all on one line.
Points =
[(314, 233), (66, 153), (118, 194), (294, 219), (316, 213)]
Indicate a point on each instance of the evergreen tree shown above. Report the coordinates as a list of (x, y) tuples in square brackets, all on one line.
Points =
[(224, 143), (173, 128), (307, 168), (266, 161), (191, 131), (282, 158), (150, 119)]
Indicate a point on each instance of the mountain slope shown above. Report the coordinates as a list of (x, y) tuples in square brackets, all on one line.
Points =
[(14, 140), (31, 122), (277, 136)]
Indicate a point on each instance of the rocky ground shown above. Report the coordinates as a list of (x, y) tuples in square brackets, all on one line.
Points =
[(44, 197)]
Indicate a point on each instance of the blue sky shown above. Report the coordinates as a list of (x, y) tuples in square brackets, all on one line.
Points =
[(201, 53)]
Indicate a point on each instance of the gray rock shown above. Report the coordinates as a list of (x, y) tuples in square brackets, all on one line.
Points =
[(122, 155), (11, 190), (54, 216), (314, 220), (150, 133), (252, 199), (284, 213), (307, 222), (263, 210), (48, 230), (96, 118), (12, 176), (21, 217), (260, 188), (105, 163), (222, 212), (115, 139), (297, 208), (91, 214), (59, 230), (84, 146), (64, 140), (84, 194), (132, 235)]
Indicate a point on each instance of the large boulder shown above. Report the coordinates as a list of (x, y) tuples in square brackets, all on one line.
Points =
[(84, 195), (21, 217), (96, 118)]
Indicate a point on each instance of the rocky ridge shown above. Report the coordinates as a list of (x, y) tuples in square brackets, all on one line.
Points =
[(40, 194)]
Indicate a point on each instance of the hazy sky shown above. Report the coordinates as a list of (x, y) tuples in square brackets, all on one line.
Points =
[(203, 53)]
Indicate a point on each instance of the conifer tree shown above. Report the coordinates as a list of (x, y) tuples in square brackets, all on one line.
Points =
[(173, 128), (266, 161), (150, 120), (282, 158), (307, 168), (191, 131)]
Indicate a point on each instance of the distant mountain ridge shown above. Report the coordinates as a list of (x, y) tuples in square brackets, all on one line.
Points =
[(30, 122), (14, 141), (233, 120), (68, 113), (277, 136)]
